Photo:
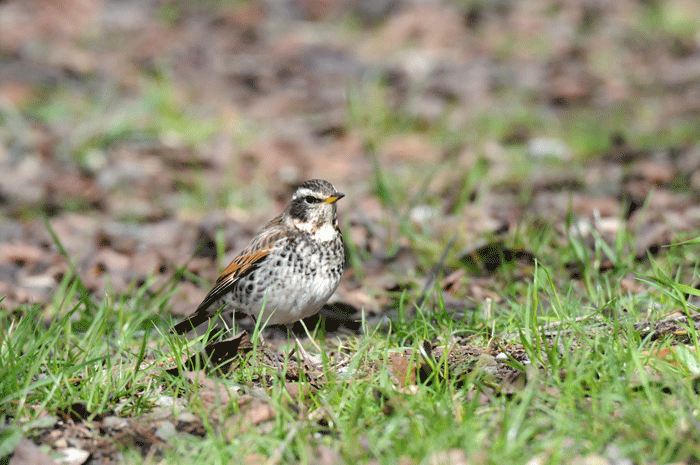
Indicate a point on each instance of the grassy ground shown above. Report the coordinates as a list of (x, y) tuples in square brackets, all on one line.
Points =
[(518, 285), (587, 389)]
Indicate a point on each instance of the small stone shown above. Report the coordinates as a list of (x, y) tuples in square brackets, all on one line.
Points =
[(545, 147), (187, 417), (60, 444), (165, 401), (114, 422), (158, 414), (617, 456), (422, 214), (486, 363), (166, 431), (502, 356), (592, 459), (452, 456), (536, 460), (73, 456), (95, 160)]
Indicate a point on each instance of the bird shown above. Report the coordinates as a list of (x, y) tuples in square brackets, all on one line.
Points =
[(290, 268)]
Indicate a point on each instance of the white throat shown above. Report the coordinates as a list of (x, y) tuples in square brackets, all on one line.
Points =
[(323, 234)]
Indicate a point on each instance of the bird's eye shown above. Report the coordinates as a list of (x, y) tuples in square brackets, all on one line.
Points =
[(311, 199)]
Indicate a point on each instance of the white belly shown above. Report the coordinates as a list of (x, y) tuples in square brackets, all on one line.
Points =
[(286, 303)]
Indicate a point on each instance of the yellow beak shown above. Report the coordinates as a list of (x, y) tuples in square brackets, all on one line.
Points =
[(334, 198)]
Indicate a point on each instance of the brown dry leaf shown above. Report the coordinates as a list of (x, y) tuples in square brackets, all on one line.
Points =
[(253, 459), (452, 282), (212, 393), (27, 453), (656, 173), (58, 20), (325, 455), (606, 207), (568, 81), (358, 297), (255, 414), (21, 253), (478, 290), (663, 353), (670, 355), (650, 238), (108, 267), (111, 261), (410, 148), (71, 186), (409, 367), (259, 413), (297, 392), (221, 353), (76, 232), (344, 160), (428, 26), (402, 370), (276, 158)]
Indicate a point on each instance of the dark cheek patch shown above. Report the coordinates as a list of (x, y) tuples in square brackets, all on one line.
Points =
[(298, 211)]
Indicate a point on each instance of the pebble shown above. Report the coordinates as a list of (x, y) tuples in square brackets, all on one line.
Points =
[(115, 422), (165, 431), (486, 363), (545, 147), (165, 401), (423, 214), (73, 456), (187, 417)]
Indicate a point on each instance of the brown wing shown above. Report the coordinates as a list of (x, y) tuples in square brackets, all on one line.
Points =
[(246, 262)]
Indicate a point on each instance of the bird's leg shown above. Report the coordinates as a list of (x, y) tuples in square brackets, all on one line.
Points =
[(303, 356), (271, 354), (313, 341), (300, 348)]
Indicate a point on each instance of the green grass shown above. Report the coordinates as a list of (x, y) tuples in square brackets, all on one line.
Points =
[(596, 388)]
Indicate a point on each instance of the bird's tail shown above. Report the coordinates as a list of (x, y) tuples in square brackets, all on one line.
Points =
[(191, 322)]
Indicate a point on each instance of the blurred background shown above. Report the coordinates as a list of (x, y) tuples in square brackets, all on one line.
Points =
[(161, 134)]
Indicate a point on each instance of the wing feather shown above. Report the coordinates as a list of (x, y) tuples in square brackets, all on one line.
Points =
[(245, 263), (239, 267)]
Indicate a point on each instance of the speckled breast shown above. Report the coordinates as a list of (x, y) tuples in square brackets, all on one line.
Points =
[(292, 283)]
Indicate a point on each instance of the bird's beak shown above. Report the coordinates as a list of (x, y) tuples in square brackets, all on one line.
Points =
[(334, 198)]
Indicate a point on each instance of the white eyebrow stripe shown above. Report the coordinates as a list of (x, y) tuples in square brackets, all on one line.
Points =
[(304, 192)]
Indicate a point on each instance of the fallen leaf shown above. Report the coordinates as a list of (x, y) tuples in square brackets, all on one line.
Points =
[(27, 453)]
